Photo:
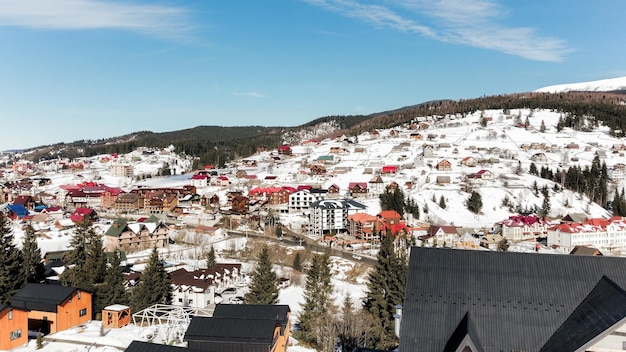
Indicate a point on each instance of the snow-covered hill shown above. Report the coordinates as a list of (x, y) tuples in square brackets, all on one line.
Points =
[(603, 85)]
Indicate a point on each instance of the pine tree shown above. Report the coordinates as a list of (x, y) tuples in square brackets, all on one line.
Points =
[(442, 202), (263, 287), (210, 259), (386, 288), (77, 274), (113, 290), (316, 297), (393, 200), (155, 285), (86, 263), (31, 255), (297, 262), (542, 128), (475, 202), (533, 169), (10, 262)]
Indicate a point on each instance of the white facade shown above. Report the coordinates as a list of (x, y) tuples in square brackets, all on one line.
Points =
[(606, 236), (302, 199), (332, 215)]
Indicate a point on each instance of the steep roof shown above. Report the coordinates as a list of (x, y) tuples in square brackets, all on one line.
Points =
[(41, 297), (231, 334), (515, 301), (141, 346), (278, 313)]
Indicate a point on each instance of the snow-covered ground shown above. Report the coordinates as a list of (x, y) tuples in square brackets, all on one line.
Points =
[(359, 160)]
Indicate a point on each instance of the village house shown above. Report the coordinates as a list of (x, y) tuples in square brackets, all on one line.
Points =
[(444, 165), (240, 205), (197, 288), (522, 227), (52, 308), (440, 235), (469, 161), (200, 181), (14, 327), (144, 233), (357, 189), (364, 226), (241, 327), (128, 202), (376, 185)]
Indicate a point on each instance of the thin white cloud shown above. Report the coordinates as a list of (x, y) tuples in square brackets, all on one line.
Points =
[(474, 23), (94, 14), (250, 94)]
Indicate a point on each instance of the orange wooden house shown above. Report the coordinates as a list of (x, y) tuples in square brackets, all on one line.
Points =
[(13, 327), (53, 308)]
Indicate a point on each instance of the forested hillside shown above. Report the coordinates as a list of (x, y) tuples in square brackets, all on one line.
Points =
[(216, 144)]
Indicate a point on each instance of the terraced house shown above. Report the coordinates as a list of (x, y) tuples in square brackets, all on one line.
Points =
[(146, 233)]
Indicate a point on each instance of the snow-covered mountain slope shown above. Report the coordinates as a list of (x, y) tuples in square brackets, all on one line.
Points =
[(603, 85)]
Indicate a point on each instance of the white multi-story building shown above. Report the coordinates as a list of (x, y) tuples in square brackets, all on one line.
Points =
[(301, 200), (599, 233), (332, 215), (122, 170)]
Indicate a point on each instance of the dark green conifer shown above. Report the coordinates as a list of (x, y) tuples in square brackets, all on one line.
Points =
[(155, 285), (316, 297), (113, 291), (10, 262), (31, 255), (386, 287), (263, 287), (210, 259)]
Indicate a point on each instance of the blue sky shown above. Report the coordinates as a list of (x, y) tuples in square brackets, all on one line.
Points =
[(90, 69)]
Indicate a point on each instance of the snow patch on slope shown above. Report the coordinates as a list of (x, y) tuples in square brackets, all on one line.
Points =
[(604, 85)]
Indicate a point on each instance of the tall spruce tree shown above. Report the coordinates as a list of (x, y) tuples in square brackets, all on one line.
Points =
[(210, 258), (316, 298), (386, 287), (155, 285), (263, 287), (77, 274), (393, 199), (32, 264), (10, 262), (86, 263), (113, 291)]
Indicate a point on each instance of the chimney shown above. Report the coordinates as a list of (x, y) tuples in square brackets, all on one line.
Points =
[(397, 318)]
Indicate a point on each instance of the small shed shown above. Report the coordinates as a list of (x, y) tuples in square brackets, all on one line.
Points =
[(115, 316)]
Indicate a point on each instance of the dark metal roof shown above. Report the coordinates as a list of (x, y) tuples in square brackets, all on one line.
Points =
[(140, 346), (515, 301), (278, 313), (230, 329), (41, 297)]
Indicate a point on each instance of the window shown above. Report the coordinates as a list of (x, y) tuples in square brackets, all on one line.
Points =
[(10, 314), (16, 334), (82, 312), (78, 294)]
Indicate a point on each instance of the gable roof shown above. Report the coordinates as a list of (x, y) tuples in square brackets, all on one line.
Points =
[(231, 330), (141, 346), (277, 313), (514, 302), (41, 297)]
